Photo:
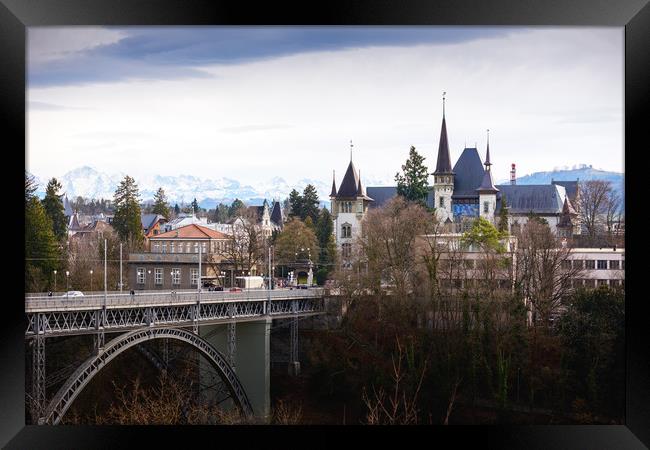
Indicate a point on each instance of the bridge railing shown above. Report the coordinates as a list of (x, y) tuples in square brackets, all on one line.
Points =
[(120, 300)]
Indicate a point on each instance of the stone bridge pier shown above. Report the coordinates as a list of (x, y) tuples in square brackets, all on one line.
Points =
[(246, 345)]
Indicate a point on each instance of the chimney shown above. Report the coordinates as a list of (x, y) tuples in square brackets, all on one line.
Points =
[(513, 177)]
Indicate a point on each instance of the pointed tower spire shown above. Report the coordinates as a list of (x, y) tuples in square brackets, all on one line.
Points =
[(333, 193), (359, 188), (444, 161), (487, 156), (351, 145)]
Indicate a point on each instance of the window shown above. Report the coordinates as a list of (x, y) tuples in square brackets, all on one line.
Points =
[(180, 247), (171, 247), (614, 283), (578, 264), (623, 264), (194, 276), (442, 202), (590, 264), (187, 247), (613, 264), (469, 263), (486, 207), (176, 276), (602, 282), (196, 247), (590, 283), (346, 231), (602, 264), (164, 247), (566, 264), (346, 250), (346, 207), (204, 247), (141, 275), (576, 283), (158, 276), (156, 247)]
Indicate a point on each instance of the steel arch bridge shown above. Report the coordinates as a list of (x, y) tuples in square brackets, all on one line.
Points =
[(64, 398)]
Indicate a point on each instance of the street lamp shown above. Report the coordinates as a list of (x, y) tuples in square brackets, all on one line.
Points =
[(55, 281), (149, 272), (91, 280), (67, 283)]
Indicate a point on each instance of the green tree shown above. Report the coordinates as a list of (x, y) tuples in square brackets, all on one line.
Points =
[(235, 208), (54, 209), (309, 203), (127, 221), (220, 214), (195, 206), (503, 216), (43, 254), (295, 204), (326, 243), (593, 342), (413, 183), (160, 205), (484, 235), (177, 209), (295, 236)]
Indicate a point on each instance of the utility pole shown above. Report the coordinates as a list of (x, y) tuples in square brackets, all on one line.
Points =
[(120, 267)]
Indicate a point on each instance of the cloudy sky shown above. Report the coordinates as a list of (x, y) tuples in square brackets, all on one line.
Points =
[(254, 103)]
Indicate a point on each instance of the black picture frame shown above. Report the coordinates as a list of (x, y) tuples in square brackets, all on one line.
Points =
[(634, 15)]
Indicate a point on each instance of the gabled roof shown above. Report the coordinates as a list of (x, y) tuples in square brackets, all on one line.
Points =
[(468, 174), (444, 161), (571, 188), (74, 223), (349, 185), (276, 214), (192, 231), (568, 207), (538, 198), (149, 220)]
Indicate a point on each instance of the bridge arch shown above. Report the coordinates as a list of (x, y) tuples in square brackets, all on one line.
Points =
[(93, 365)]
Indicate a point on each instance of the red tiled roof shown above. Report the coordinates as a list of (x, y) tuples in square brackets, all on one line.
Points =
[(192, 231)]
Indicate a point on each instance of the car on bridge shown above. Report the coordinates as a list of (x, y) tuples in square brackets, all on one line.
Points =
[(73, 294), (235, 289)]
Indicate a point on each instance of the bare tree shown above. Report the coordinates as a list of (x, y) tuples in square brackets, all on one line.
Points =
[(247, 247), (596, 197)]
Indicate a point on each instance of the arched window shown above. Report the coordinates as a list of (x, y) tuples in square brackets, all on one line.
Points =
[(346, 230)]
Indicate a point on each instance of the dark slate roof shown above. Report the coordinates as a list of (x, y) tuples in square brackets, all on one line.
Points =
[(469, 174), (333, 193), (348, 188), (571, 188), (487, 185), (538, 198), (276, 214), (444, 161), (381, 194), (74, 223), (149, 220)]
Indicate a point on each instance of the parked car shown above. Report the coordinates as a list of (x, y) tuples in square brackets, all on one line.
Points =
[(235, 289), (73, 294)]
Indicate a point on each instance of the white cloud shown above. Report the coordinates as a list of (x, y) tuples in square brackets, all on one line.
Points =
[(549, 97)]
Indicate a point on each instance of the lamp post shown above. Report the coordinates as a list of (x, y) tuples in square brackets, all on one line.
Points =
[(91, 280), (149, 278), (67, 283), (55, 281)]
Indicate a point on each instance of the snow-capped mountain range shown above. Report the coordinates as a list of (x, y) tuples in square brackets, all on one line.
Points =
[(88, 182)]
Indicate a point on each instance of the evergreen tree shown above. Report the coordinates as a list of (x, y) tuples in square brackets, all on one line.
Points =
[(310, 203), (326, 243), (54, 209), (177, 209), (43, 254), (413, 183), (195, 206), (221, 213), (160, 203), (503, 215), (236, 207), (127, 221), (295, 204)]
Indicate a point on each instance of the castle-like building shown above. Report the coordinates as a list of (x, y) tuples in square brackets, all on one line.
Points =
[(466, 190)]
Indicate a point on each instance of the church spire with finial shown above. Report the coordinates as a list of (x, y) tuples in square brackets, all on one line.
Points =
[(333, 193), (487, 156), (351, 145), (444, 161)]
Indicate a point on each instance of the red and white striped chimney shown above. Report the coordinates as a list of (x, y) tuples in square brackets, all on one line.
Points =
[(513, 176)]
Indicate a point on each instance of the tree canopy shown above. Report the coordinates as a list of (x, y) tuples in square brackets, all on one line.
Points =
[(160, 205), (54, 209), (127, 221)]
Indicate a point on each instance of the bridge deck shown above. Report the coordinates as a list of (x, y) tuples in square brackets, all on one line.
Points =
[(52, 316)]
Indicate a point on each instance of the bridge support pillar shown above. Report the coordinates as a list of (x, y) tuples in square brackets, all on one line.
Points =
[(232, 345), (294, 364), (38, 370), (252, 359)]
